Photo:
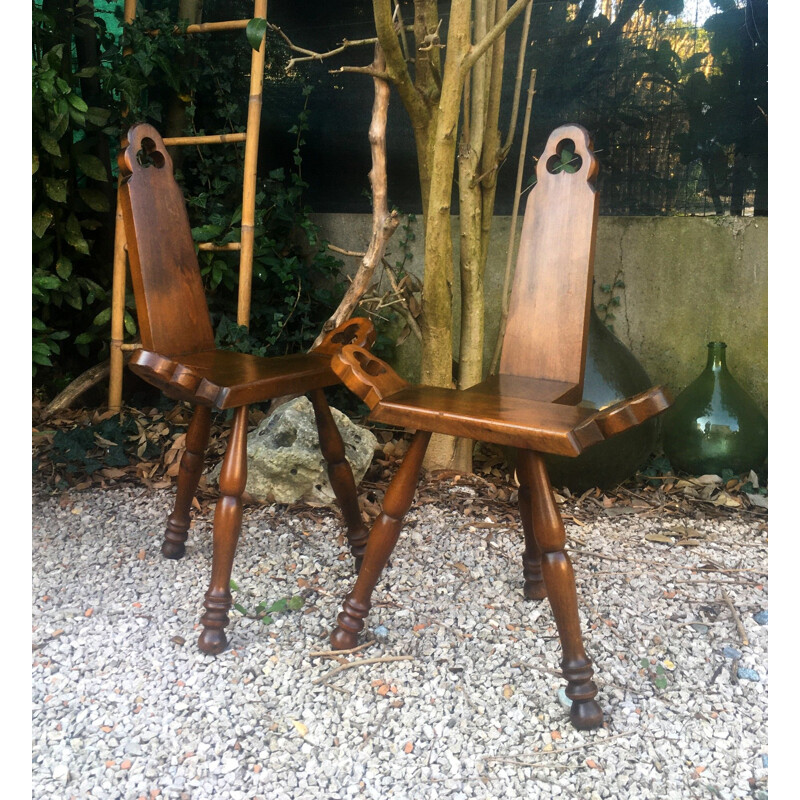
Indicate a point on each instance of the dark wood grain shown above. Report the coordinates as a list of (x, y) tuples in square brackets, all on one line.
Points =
[(532, 405), (180, 358)]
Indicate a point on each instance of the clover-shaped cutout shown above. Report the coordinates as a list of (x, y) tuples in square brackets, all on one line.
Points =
[(370, 365), (565, 159), (346, 335), (149, 155)]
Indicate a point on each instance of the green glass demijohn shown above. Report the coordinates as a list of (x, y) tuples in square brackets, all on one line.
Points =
[(612, 374), (714, 424)]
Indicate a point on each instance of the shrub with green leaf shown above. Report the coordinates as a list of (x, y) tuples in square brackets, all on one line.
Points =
[(71, 204)]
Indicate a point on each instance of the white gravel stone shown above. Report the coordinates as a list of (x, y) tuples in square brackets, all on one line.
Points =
[(126, 706)]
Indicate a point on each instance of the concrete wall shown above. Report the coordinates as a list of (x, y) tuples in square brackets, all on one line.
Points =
[(688, 281)]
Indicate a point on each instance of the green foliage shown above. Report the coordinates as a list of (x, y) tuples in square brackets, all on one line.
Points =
[(264, 611), (612, 300), (255, 31), (658, 675), (71, 194), (657, 471)]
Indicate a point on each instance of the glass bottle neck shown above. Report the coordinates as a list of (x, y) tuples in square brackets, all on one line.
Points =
[(716, 356)]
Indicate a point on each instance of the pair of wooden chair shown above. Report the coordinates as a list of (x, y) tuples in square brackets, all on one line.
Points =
[(533, 404)]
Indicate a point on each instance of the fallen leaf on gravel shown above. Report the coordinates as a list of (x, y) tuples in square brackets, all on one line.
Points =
[(300, 727), (724, 499), (757, 500), (662, 538)]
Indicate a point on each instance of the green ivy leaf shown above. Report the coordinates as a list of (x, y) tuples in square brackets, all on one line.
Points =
[(279, 605), (205, 233), (296, 603), (130, 325), (77, 102), (43, 360), (97, 116), (92, 167), (241, 609), (95, 199), (64, 268), (73, 235), (103, 317), (56, 189), (46, 281), (42, 218), (267, 620), (255, 31)]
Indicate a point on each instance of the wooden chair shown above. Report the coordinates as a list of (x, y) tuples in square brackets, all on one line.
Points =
[(179, 357), (532, 404)]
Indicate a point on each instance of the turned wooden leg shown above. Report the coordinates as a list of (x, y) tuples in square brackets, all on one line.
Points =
[(381, 542), (559, 578), (340, 475), (535, 588), (174, 545), (227, 524)]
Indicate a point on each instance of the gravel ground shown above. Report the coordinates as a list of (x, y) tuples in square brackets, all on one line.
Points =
[(125, 706)]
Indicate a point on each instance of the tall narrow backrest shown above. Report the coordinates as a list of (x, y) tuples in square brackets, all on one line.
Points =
[(170, 300), (548, 316)]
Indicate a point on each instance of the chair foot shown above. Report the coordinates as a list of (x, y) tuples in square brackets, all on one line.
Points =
[(172, 549), (586, 715), (535, 590), (343, 640), (350, 623), (212, 641)]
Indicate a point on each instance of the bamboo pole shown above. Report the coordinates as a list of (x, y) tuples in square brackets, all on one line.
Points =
[(250, 169), (206, 27), (118, 281), (512, 235), (219, 248), (215, 138), (212, 27)]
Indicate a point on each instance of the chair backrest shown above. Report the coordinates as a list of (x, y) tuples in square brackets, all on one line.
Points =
[(548, 318), (170, 300)]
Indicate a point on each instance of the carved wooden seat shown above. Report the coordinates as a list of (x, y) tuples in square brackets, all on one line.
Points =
[(531, 405), (178, 356)]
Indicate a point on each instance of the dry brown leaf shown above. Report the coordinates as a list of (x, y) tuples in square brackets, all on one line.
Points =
[(659, 537)]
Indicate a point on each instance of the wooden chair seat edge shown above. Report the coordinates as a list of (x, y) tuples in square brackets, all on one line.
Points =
[(200, 384)]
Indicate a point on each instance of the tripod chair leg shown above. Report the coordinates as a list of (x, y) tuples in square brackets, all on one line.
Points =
[(174, 545), (559, 578), (535, 588), (381, 543), (227, 525), (340, 475)]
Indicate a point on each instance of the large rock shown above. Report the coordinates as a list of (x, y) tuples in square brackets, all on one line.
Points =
[(285, 463)]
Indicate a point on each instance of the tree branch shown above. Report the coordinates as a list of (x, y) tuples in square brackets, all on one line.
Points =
[(311, 55), (497, 29), (384, 222)]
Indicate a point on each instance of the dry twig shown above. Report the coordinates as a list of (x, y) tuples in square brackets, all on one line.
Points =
[(362, 662), (725, 597)]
